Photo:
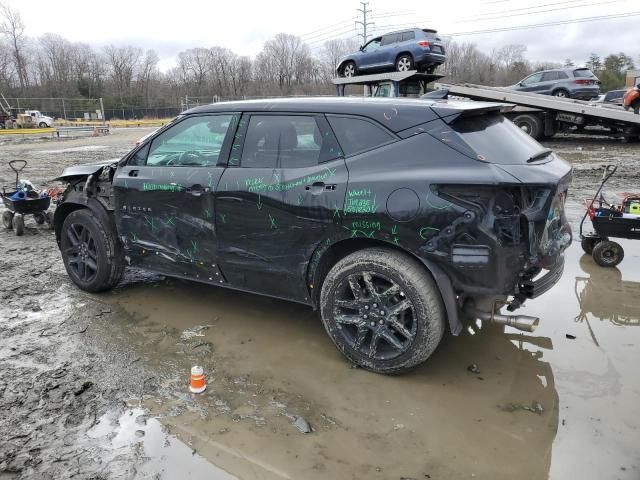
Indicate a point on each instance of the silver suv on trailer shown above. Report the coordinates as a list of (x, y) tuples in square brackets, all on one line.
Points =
[(578, 83)]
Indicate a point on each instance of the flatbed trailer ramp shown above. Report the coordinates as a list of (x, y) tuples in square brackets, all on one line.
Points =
[(538, 115), (544, 115)]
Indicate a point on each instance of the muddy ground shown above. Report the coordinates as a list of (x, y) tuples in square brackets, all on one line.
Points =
[(94, 386)]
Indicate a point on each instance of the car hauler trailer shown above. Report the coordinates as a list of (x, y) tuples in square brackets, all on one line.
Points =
[(539, 115)]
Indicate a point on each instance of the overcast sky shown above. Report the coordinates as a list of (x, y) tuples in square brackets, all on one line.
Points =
[(169, 27)]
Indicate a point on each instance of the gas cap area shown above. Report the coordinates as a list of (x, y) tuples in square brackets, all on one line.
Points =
[(403, 205)]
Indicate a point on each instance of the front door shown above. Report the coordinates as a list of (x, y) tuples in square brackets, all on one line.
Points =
[(531, 83), (165, 197), (280, 197)]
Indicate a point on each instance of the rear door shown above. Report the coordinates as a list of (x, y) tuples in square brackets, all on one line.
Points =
[(279, 199), (389, 48), (164, 196)]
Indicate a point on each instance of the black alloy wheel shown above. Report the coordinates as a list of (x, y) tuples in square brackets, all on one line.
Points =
[(82, 253), (374, 316)]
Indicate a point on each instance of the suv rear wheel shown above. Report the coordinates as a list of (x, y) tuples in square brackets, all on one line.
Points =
[(561, 92), (382, 310), (90, 252), (404, 63)]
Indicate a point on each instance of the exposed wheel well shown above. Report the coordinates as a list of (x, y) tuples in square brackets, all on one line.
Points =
[(404, 53), (341, 249), (61, 214)]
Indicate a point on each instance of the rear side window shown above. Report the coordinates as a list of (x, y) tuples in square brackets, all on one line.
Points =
[(356, 135), (583, 73), (562, 76), (549, 76), (492, 138), (406, 36), (286, 141), (391, 38)]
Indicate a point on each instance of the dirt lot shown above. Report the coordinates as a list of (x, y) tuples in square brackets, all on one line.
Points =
[(94, 386)]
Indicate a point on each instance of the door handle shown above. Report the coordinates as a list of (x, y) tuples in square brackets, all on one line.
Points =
[(197, 190), (315, 188), (133, 173)]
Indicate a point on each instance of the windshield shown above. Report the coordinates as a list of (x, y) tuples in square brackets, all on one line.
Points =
[(493, 139)]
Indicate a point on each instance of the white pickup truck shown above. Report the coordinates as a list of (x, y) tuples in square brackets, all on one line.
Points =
[(40, 120)]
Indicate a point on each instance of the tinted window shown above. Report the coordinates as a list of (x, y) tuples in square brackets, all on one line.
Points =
[(493, 138), (562, 76), (391, 38), (406, 36), (196, 141), (535, 78), (356, 135), (614, 95), (550, 77), (286, 141), (583, 73)]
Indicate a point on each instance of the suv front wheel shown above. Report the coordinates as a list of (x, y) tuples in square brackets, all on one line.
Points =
[(382, 310), (90, 252)]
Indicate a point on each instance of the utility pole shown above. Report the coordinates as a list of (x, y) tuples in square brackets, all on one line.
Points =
[(364, 11)]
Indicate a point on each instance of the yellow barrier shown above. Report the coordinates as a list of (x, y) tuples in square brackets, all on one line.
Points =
[(118, 123), (25, 131)]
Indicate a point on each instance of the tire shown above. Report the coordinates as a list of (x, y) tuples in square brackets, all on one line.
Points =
[(39, 218), (43, 125), (588, 243), (636, 107), (530, 124), (561, 92), (608, 254), (7, 219), (353, 323), (18, 225), (90, 252), (404, 63), (349, 70)]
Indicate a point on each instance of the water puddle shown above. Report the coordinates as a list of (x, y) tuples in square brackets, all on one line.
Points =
[(166, 457)]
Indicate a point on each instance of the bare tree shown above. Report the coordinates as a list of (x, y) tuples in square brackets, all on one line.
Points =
[(12, 27), (122, 63), (330, 54)]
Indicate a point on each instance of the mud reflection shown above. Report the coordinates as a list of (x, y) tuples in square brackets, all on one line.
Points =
[(272, 360), (604, 295)]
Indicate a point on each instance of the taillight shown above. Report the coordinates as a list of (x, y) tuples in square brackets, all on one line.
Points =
[(582, 82), (424, 43)]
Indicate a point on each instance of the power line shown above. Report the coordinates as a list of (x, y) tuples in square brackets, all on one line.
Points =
[(549, 24), (311, 34), (328, 32), (322, 30), (476, 19), (332, 37)]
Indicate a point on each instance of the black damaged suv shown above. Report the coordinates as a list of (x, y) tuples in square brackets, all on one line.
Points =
[(394, 218)]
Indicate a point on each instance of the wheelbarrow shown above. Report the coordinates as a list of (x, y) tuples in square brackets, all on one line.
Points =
[(610, 221), (24, 200)]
